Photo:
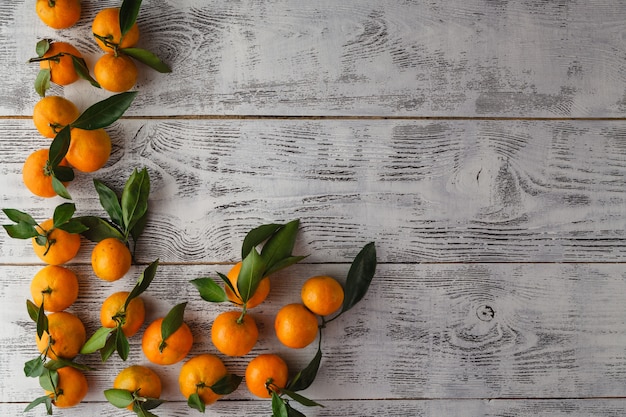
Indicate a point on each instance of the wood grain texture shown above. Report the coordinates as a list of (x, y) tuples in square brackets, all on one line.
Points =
[(422, 331), (360, 57), (425, 191)]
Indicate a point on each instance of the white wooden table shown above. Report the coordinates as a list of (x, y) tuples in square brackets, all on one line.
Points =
[(480, 144)]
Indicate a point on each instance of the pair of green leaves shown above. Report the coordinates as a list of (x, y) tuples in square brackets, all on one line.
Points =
[(224, 386), (128, 214), (129, 10), (97, 116), (26, 227), (42, 82), (109, 340), (122, 398), (278, 242)]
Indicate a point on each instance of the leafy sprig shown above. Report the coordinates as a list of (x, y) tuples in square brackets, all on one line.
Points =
[(128, 214), (97, 116), (42, 82), (224, 386), (122, 398), (359, 278), (26, 227), (110, 340), (129, 10), (277, 240)]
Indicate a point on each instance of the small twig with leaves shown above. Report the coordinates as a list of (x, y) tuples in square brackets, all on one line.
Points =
[(141, 405), (26, 227), (109, 340), (278, 241), (128, 214), (97, 116), (358, 281), (42, 82)]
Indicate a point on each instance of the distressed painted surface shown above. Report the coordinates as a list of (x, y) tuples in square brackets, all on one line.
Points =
[(288, 57), (484, 152)]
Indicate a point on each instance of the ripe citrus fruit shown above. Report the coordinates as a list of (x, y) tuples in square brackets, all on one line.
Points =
[(198, 374), (53, 113), (37, 175), (71, 388), (55, 286), (265, 371), (131, 319), (322, 295), (58, 14), (66, 335), (116, 73), (169, 351), (140, 379), (295, 326), (106, 25), (61, 68), (89, 149), (110, 259), (259, 295), (232, 337), (61, 246)]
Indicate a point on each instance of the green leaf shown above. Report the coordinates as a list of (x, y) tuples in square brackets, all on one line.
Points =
[(280, 244), (227, 384), (49, 379), (19, 216), (148, 58), (300, 398), (63, 213), (284, 263), (42, 82), (80, 66), (60, 188), (73, 226), (42, 47), (55, 364), (105, 112), (97, 341), (20, 230), (42, 321), (292, 412), (279, 408), (110, 202), (173, 320), (109, 347), (139, 226), (135, 198), (63, 173), (209, 290), (98, 229), (252, 270), (194, 401), (129, 10), (359, 276), (41, 400), (257, 236), (32, 309), (120, 398), (305, 377), (143, 282), (229, 284), (150, 403), (122, 345), (34, 367), (59, 146)]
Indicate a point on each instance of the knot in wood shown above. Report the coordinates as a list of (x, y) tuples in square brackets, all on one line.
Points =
[(485, 313)]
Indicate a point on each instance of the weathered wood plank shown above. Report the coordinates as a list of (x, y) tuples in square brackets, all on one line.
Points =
[(422, 331), (373, 408), (292, 57), (425, 191)]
